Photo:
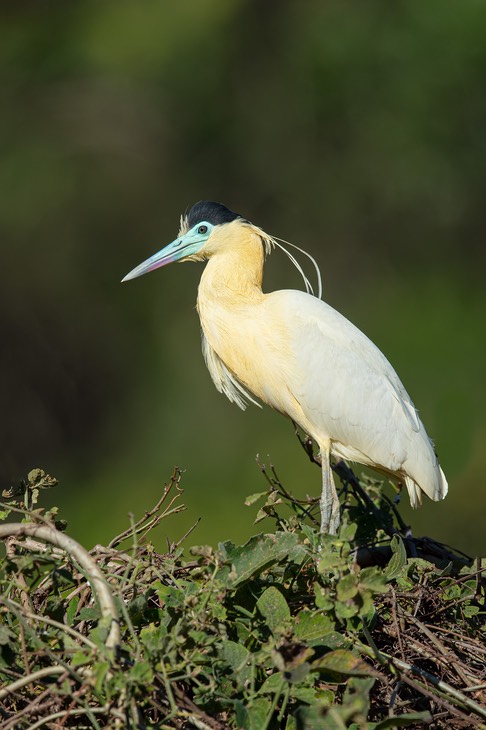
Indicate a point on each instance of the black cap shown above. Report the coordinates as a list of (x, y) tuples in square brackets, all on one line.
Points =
[(214, 213)]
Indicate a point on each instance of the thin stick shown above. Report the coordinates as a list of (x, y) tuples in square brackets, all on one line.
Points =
[(440, 684), (140, 525)]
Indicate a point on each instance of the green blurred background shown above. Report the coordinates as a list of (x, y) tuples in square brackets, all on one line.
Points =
[(354, 129)]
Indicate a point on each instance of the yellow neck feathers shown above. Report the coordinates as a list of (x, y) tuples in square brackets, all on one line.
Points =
[(235, 266)]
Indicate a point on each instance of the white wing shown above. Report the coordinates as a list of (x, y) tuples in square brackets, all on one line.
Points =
[(351, 395)]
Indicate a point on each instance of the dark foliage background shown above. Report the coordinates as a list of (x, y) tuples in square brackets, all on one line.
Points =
[(355, 130)]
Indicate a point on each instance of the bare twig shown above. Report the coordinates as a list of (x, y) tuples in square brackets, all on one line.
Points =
[(441, 685), (145, 524)]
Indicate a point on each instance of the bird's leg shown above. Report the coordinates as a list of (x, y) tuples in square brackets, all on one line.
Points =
[(329, 498)]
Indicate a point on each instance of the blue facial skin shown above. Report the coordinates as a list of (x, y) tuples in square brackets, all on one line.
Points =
[(187, 245)]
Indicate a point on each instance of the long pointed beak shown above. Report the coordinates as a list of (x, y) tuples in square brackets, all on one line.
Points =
[(172, 252)]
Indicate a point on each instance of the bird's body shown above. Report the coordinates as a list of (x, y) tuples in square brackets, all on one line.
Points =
[(301, 357)]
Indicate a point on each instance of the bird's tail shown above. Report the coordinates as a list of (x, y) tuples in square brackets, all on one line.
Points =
[(435, 491)]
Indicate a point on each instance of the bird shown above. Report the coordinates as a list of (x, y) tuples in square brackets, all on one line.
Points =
[(292, 351)]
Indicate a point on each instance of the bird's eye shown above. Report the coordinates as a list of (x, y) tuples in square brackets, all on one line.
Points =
[(202, 230)]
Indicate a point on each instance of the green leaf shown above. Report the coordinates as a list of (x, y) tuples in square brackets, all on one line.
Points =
[(311, 627), (274, 609), (356, 698), (137, 608), (347, 587), (344, 663), (335, 640), (262, 514), (310, 533), (80, 658), (6, 635), (99, 634), (100, 670), (71, 610), (411, 718), (470, 611), (152, 637), (330, 559), (252, 498), (452, 592), (347, 532), (315, 717), (324, 600), (291, 723), (142, 673), (234, 654), (303, 693), (272, 684), (298, 673), (253, 716), (89, 614), (366, 605), (259, 553), (373, 579), (237, 657), (398, 560), (346, 609), (169, 595)]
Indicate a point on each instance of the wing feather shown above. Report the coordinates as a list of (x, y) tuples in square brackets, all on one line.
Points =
[(353, 396), (223, 379)]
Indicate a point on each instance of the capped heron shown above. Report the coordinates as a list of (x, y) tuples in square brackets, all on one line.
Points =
[(294, 352)]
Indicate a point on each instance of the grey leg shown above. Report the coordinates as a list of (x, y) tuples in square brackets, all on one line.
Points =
[(329, 498)]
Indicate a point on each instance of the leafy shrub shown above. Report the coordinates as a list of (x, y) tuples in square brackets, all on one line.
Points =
[(369, 629)]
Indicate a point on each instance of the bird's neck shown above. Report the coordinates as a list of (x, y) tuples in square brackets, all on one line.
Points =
[(234, 273)]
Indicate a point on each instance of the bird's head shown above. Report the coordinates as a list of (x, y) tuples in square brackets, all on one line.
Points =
[(209, 228), (202, 233)]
